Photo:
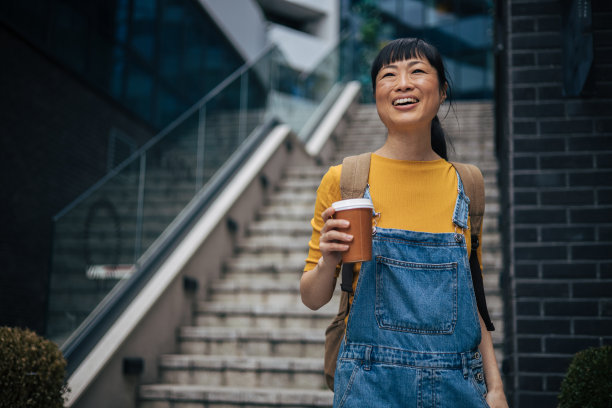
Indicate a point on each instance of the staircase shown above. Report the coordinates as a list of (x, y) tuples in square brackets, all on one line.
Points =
[(253, 343)]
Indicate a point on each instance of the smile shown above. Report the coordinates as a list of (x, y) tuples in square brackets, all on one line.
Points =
[(404, 101)]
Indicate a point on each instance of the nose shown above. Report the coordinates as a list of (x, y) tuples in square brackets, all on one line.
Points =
[(403, 81)]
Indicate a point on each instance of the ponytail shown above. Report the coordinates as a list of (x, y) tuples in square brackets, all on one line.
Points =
[(438, 138)]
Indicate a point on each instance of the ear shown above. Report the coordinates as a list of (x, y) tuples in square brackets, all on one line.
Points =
[(443, 91)]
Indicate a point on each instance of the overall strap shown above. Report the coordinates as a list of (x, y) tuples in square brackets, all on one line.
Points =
[(473, 183)]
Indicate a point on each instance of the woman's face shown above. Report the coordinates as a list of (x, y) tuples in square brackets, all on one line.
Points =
[(408, 94)]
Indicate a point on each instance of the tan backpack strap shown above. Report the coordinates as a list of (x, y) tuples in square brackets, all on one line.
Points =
[(354, 175), (473, 183)]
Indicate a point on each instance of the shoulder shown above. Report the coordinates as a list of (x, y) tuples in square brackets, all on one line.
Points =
[(329, 188), (332, 176), (468, 168)]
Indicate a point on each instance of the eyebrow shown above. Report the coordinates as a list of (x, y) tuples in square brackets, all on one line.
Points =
[(411, 63)]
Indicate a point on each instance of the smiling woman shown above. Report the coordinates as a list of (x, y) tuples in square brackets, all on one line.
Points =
[(413, 333)]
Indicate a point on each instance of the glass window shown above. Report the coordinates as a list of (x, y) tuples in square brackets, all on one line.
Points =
[(132, 48), (143, 34), (139, 90)]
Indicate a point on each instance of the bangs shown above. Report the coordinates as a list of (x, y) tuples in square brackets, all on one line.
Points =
[(404, 49)]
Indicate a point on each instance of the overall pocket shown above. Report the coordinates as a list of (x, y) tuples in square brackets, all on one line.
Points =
[(416, 297)]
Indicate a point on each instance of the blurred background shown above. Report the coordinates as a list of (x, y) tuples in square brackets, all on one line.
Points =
[(122, 121)]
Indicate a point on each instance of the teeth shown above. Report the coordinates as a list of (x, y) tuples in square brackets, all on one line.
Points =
[(403, 101)]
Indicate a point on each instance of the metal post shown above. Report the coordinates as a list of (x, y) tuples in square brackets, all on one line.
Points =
[(199, 182), (244, 94), (140, 206)]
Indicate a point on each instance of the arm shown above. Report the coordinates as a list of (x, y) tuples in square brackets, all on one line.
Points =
[(317, 285), (495, 388)]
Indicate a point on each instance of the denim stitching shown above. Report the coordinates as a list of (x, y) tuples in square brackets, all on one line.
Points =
[(349, 385)]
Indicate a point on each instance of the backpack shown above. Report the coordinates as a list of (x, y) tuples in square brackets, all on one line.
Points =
[(353, 182)]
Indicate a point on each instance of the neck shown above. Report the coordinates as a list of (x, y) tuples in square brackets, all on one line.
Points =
[(414, 146)]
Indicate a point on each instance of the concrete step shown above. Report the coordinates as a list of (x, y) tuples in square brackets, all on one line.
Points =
[(251, 372), (301, 211), (277, 227), (281, 275), (245, 341), (299, 184), (173, 396), (298, 197), (266, 292), (274, 243), (290, 262), (211, 314), (306, 172)]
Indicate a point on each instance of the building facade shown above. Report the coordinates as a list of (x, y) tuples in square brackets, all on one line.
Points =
[(555, 145)]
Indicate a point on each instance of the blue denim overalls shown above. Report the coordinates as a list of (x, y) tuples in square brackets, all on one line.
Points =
[(413, 330)]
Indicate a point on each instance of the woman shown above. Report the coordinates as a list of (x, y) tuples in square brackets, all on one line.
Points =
[(414, 336)]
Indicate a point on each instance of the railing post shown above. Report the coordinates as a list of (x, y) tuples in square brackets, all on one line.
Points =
[(200, 149), (244, 101), (140, 206)]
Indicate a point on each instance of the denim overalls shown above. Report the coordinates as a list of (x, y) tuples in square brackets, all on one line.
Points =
[(413, 329)]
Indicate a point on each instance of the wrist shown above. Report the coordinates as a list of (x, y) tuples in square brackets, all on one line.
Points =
[(495, 389)]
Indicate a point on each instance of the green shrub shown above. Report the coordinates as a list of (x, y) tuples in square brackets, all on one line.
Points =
[(588, 382), (32, 370)]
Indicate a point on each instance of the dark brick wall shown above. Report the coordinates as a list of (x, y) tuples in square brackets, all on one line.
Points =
[(557, 175), (54, 134)]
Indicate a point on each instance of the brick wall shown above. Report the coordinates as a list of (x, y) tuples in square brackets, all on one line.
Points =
[(54, 133), (557, 176)]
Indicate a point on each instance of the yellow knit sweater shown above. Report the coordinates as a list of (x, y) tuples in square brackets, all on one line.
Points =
[(409, 195)]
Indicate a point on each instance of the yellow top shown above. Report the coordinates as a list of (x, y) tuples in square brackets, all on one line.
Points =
[(410, 195)]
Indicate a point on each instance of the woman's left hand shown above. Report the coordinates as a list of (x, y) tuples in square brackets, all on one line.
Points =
[(496, 399)]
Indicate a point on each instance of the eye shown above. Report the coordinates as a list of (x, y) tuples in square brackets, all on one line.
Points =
[(418, 71), (387, 74)]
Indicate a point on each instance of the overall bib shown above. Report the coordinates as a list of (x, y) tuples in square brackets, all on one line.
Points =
[(413, 331)]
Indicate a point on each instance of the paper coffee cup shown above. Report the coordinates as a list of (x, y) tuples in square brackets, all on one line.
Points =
[(358, 212)]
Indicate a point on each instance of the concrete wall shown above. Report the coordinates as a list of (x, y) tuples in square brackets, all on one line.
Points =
[(244, 26), (556, 152)]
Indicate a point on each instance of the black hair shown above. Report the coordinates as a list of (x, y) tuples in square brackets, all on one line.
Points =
[(408, 48)]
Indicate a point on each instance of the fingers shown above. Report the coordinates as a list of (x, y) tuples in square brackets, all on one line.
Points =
[(332, 239)]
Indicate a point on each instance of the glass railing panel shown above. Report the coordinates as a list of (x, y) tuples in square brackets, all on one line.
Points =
[(93, 249), (311, 93), (223, 128), (169, 181), (259, 78)]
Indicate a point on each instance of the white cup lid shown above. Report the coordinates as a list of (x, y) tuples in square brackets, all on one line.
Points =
[(352, 204)]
